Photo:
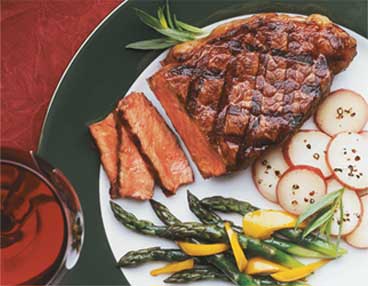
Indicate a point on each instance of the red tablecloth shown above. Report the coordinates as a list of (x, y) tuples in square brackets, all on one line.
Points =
[(38, 39)]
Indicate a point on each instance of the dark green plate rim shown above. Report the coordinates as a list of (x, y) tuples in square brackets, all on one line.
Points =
[(102, 71)]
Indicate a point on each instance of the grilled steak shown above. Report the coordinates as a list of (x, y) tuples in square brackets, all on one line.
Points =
[(156, 141), (127, 172), (249, 85), (106, 138)]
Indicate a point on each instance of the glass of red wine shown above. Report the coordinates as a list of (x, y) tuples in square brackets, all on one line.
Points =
[(41, 220)]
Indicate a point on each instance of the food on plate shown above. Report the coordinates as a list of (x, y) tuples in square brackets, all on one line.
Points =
[(299, 272), (228, 265), (342, 110), (156, 141), (249, 85), (240, 258), (137, 147), (266, 172), (138, 257), (347, 158), (174, 267), (106, 137), (124, 166), (207, 216), (359, 237), (309, 147), (299, 187), (203, 249), (313, 242), (259, 266), (262, 223), (352, 209)]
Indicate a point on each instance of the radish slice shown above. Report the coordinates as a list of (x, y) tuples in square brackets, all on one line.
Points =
[(300, 187), (342, 110), (309, 147), (347, 157), (359, 237), (351, 206), (266, 172)]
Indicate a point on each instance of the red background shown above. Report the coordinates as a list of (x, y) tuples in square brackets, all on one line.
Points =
[(38, 39)]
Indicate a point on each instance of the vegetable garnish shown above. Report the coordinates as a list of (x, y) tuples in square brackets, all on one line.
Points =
[(262, 223), (260, 265), (322, 213), (194, 249), (240, 258), (174, 267), (168, 25), (299, 272)]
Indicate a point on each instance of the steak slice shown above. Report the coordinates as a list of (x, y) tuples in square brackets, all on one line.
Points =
[(156, 141), (249, 85), (135, 179), (125, 168), (106, 137)]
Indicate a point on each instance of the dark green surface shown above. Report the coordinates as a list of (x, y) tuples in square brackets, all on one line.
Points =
[(103, 71)]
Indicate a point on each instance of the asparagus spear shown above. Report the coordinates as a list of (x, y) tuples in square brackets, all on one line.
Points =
[(223, 263), (196, 274), (137, 257), (255, 246), (207, 216), (230, 205), (207, 272)]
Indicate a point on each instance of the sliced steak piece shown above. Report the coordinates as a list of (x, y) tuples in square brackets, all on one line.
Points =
[(125, 168), (156, 141), (208, 161), (106, 137), (135, 179), (249, 85)]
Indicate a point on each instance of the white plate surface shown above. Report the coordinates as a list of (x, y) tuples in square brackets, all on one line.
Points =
[(349, 270)]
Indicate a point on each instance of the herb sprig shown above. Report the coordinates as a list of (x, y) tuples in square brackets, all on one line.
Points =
[(321, 215), (168, 25)]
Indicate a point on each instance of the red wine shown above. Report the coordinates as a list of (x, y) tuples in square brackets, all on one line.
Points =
[(33, 227)]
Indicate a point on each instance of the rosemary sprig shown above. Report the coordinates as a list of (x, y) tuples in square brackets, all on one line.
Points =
[(321, 215), (168, 25)]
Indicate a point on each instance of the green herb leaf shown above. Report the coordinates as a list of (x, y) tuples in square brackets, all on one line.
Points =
[(155, 44), (168, 15), (328, 230), (324, 202), (176, 23), (176, 35), (148, 19), (341, 220), (189, 28), (318, 221), (161, 17)]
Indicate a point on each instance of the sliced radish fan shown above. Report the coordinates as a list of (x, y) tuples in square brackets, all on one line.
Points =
[(342, 110), (309, 147), (347, 156), (300, 187), (359, 237), (351, 209), (266, 172)]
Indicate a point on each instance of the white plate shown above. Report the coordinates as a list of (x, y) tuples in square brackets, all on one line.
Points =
[(349, 270)]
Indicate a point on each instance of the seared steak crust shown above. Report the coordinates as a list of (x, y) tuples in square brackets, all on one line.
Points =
[(250, 84)]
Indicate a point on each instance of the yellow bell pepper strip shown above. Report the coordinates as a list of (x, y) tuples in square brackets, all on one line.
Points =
[(174, 267), (240, 258), (298, 272), (259, 265), (262, 223), (194, 249)]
